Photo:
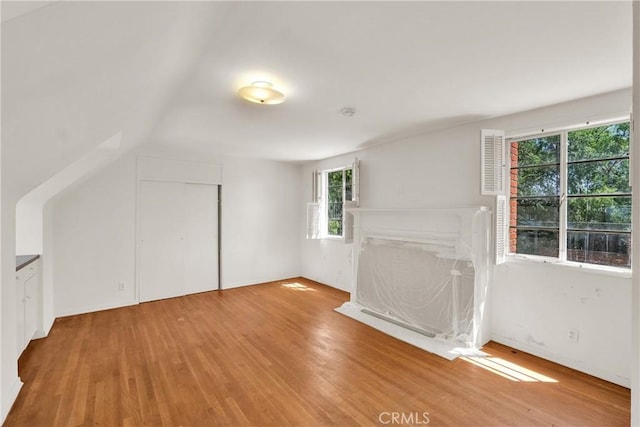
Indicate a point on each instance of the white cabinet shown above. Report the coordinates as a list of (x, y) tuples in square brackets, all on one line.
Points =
[(28, 303)]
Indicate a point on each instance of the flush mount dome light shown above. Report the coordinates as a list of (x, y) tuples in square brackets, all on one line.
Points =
[(261, 93)]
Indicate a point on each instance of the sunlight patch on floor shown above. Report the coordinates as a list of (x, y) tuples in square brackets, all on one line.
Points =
[(297, 286), (508, 370)]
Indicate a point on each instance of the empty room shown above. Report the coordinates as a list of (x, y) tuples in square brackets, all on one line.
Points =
[(320, 213)]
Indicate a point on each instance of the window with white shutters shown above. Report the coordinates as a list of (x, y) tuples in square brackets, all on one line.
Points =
[(335, 191)]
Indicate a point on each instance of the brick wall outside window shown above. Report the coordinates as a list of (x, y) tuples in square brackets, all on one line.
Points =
[(513, 203)]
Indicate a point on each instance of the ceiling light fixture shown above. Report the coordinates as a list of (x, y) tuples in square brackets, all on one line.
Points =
[(261, 93)]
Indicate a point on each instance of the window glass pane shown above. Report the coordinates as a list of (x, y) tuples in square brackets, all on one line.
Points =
[(335, 227), (599, 213), (599, 177), (599, 248), (334, 203), (335, 211), (537, 181), (536, 151), (599, 143), (348, 184), (543, 212), (537, 242), (335, 185)]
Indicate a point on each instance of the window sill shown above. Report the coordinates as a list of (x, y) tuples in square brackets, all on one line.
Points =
[(618, 272), (336, 238)]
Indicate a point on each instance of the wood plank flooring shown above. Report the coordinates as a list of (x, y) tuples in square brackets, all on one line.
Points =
[(277, 354)]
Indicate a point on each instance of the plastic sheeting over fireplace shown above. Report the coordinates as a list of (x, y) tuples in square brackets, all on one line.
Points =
[(422, 275)]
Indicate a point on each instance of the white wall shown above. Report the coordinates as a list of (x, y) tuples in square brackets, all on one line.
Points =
[(535, 305), (48, 316), (93, 229), (260, 221), (635, 295), (93, 241), (29, 219), (442, 170), (2, 257), (405, 174), (28, 228), (11, 384)]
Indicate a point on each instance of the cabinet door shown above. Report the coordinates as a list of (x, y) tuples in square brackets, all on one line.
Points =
[(31, 306), (20, 344)]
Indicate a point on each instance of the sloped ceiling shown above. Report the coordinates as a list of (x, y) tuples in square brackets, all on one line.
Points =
[(14, 9), (76, 73), (167, 72)]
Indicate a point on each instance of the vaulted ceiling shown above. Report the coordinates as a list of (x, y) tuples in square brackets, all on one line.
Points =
[(76, 73)]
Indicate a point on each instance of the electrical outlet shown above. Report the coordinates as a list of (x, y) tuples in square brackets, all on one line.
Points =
[(573, 335), (122, 286)]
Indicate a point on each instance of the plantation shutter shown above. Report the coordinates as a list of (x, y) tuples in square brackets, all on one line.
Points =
[(313, 208), (316, 181), (356, 182), (501, 233), (347, 225), (313, 220), (493, 160)]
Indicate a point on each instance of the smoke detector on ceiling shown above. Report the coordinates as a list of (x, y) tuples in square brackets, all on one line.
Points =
[(348, 111)]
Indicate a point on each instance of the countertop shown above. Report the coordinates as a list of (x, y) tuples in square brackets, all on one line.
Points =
[(24, 260)]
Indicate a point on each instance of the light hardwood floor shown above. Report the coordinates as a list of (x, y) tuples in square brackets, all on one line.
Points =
[(276, 355)]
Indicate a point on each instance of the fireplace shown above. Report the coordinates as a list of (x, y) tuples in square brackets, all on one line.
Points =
[(422, 275)]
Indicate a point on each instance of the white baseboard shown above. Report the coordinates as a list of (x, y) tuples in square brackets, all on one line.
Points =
[(232, 285), (90, 309), (13, 395), (573, 364), (40, 333), (331, 285), (44, 332), (235, 285)]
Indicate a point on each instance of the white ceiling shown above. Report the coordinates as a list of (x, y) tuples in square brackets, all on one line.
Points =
[(406, 67), (14, 9)]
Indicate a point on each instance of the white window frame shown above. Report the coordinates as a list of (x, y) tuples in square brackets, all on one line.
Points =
[(562, 231)]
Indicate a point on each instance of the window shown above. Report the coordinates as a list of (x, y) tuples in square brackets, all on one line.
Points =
[(339, 189), (570, 196), (333, 191)]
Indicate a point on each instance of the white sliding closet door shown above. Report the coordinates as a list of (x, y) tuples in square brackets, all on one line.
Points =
[(201, 237), (161, 231), (178, 229)]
